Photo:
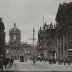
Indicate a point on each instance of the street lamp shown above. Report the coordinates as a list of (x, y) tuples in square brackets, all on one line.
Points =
[(33, 46)]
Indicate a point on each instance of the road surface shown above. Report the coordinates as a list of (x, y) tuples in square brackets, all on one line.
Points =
[(39, 66)]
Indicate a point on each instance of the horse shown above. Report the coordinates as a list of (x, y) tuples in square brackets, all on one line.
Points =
[(6, 62), (11, 61)]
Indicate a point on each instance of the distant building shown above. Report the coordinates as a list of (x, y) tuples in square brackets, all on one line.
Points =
[(15, 47), (14, 36)]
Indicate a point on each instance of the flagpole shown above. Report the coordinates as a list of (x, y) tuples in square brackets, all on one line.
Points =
[(33, 47), (33, 39)]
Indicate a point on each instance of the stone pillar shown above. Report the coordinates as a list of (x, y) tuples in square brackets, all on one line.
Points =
[(12, 51), (63, 47), (57, 48), (60, 48), (66, 43)]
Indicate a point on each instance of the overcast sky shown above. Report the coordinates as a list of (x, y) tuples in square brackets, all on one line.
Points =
[(28, 14)]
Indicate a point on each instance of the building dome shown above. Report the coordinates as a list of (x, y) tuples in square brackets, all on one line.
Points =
[(14, 29), (14, 35)]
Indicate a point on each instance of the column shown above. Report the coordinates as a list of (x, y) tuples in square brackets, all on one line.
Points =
[(14, 52), (66, 42), (63, 47), (60, 48)]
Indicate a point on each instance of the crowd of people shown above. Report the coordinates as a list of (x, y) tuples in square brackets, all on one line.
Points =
[(53, 60)]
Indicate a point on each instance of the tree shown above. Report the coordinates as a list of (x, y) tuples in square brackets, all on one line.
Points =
[(2, 38)]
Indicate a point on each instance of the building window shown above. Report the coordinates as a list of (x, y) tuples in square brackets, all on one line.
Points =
[(28, 51), (25, 50), (14, 37), (7, 51)]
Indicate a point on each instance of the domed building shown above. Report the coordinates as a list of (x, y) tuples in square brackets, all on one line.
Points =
[(14, 35), (15, 47)]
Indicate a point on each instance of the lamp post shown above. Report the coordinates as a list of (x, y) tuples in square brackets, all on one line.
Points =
[(33, 46)]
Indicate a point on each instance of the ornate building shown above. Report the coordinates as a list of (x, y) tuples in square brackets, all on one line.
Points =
[(59, 39), (14, 36), (15, 47), (45, 38), (64, 29)]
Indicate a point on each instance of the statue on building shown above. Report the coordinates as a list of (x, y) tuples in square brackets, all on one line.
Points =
[(14, 25), (40, 28), (54, 25), (51, 26), (15, 35)]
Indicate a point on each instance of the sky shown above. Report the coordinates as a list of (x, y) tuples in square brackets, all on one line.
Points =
[(28, 14)]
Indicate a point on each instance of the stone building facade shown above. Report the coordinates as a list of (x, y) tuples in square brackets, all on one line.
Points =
[(45, 38), (15, 48), (58, 39), (64, 29)]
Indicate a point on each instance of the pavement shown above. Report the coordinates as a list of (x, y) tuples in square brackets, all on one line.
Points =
[(39, 66)]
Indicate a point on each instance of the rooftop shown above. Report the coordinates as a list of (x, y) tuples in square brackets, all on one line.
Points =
[(14, 29)]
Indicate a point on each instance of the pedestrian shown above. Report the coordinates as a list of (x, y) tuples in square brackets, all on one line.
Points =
[(11, 60)]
